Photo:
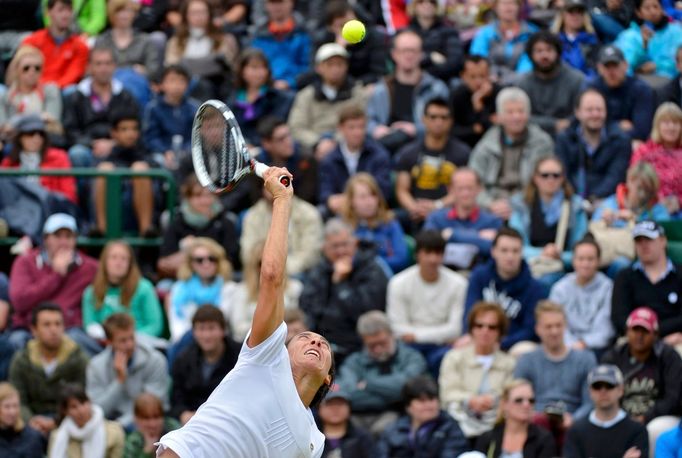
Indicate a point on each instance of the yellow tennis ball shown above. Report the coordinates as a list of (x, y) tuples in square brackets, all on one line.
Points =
[(353, 31)]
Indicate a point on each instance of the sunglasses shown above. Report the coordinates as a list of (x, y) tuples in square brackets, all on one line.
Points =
[(523, 400), (602, 386), (203, 259), (547, 175), (31, 133), (26, 68), (490, 327)]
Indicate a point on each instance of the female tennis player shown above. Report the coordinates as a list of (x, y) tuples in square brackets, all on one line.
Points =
[(261, 409)]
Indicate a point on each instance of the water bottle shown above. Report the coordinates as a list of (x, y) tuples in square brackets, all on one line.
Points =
[(176, 147)]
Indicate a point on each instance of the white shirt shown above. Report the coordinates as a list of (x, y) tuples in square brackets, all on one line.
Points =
[(254, 412), (431, 311)]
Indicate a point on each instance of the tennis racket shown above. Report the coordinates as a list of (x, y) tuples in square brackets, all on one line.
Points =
[(219, 152)]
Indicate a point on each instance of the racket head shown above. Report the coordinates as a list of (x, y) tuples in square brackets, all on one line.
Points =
[(219, 152)]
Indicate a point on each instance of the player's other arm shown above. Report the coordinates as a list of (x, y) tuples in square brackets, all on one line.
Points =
[(269, 312)]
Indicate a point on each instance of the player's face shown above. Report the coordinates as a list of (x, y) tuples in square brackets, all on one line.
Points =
[(310, 352)]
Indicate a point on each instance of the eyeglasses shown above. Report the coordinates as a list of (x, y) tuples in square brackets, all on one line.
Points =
[(602, 386), (490, 327), (26, 68), (547, 175), (203, 259), (523, 400)]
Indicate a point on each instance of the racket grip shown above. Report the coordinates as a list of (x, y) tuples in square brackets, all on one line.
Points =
[(260, 169)]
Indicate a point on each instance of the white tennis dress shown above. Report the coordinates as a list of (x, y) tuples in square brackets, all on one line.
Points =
[(255, 412)]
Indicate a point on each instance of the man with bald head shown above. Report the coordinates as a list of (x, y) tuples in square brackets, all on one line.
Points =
[(468, 229)]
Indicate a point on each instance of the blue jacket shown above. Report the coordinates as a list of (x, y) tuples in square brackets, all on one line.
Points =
[(577, 227), (374, 159), (439, 438), (634, 100), (389, 241), (604, 170), (669, 444), (27, 443), (288, 57), (162, 121), (670, 10), (580, 53), (465, 230), (660, 50), (379, 105), (506, 57), (271, 102), (518, 297)]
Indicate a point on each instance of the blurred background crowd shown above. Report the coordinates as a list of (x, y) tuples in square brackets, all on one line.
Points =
[(487, 222)]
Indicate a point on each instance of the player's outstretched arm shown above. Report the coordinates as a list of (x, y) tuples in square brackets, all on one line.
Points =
[(269, 312)]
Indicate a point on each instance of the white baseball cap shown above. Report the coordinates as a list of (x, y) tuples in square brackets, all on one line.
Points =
[(59, 221)]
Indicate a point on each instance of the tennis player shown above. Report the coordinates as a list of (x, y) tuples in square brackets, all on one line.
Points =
[(261, 409)]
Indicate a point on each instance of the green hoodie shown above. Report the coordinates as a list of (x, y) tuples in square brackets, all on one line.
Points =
[(39, 392)]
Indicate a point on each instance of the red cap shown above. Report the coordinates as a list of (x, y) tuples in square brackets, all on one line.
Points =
[(644, 317)]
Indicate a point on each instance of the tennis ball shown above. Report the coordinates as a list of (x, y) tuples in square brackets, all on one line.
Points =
[(353, 31)]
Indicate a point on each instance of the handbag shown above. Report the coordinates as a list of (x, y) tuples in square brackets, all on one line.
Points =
[(543, 265), (614, 242)]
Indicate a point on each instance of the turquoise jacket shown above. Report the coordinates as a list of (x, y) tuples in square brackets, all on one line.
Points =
[(144, 307), (660, 49)]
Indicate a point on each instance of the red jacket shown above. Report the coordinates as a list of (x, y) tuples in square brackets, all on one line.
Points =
[(64, 64), (32, 282), (53, 159), (666, 163)]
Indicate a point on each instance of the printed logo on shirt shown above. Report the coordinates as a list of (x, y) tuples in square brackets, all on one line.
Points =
[(511, 306), (432, 173), (640, 394)]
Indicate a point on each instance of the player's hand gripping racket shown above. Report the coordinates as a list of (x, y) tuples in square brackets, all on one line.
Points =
[(219, 151)]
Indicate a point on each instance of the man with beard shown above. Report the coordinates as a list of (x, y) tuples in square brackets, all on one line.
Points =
[(553, 87), (595, 153), (652, 371)]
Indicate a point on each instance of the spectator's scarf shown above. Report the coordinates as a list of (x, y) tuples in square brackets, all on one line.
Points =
[(281, 29), (552, 209), (92, 436)]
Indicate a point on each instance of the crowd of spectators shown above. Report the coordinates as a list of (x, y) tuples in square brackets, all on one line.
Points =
[(486, 223)]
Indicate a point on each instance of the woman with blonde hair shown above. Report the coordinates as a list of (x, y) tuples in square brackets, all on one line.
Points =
[(579, 42), (26, 95), (119, 287), (201, 46), (238, 300), (515, 435), (16, 438), (664, 152), (366, 210), (201, 276)]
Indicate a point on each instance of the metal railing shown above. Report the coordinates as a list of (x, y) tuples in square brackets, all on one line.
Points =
[(114, 197)]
